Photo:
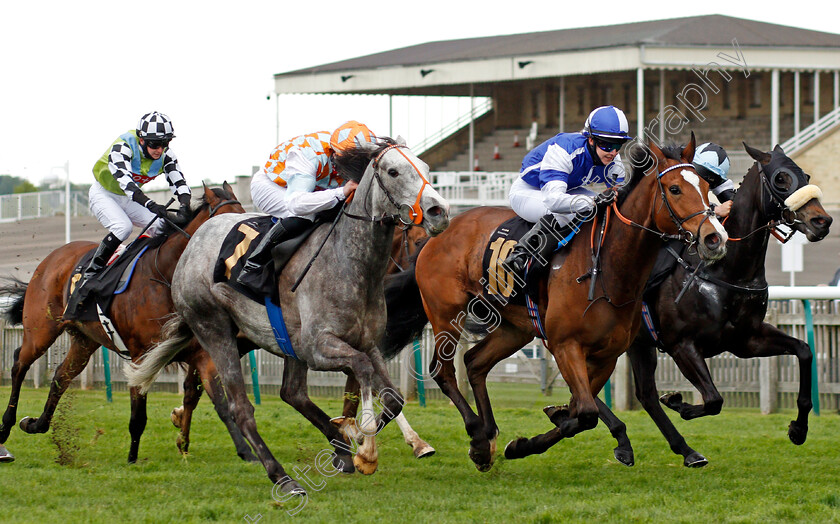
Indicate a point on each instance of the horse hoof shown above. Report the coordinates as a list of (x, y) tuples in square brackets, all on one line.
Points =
[(556, 414), (424, 451), (512, 450), (343, 463), (291, 487), (482, 458), (695, 460), (5, 455), (27, 425), (484, 468), (364, 466), (624, 456), (672, 400), (175, 416), (797, 433)]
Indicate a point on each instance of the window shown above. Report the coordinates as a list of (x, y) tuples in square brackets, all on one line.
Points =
[(755, 92)]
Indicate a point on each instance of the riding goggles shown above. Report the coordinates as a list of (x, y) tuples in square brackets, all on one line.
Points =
[(608, 147), (157, 144)]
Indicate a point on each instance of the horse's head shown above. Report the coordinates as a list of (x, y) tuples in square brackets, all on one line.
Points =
[(214, 201), (788, 195), (685, 207), (399, 186)]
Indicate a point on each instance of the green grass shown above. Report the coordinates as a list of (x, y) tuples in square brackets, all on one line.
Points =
[(755, 474)]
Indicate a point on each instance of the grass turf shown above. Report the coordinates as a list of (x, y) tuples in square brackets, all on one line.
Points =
[(755, 473)]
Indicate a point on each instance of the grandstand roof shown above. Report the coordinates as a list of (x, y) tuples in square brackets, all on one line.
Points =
[(506, 54), (709, 30)]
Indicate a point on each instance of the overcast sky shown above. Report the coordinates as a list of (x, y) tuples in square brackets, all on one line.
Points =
[(75, 75)]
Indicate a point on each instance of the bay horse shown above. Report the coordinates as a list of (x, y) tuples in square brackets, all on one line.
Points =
[(335, 318), (723, 308), (664, 196), (137, 315)]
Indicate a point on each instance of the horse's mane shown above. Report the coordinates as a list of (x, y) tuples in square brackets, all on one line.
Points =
[(642, 162), (351, 163)]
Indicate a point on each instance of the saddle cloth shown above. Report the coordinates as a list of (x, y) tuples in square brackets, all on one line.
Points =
[(112, 280)]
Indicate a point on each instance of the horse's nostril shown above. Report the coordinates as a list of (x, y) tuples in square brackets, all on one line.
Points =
[(712, 241), (435, 211)]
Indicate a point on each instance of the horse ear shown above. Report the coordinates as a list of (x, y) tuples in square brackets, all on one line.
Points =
[(757, 154), (688, 152), (657, 153), (778, 149), (209, 195), (401, 141), (228, 189)]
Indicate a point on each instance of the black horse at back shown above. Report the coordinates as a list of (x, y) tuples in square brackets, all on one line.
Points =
[(723, 307)]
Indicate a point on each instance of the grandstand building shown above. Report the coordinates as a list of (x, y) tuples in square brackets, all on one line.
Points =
[(727, 79)]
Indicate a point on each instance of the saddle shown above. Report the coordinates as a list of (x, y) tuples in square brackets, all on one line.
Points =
[(237, 247), (112, 280)]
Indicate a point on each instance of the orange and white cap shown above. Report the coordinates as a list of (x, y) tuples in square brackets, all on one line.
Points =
[(351, 134)]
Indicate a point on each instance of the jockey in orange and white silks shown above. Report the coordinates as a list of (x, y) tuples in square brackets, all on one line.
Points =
[(298, 181)]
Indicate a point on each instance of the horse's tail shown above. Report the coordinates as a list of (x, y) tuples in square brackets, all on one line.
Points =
[(406, 316), (14, 289), (175, 336)]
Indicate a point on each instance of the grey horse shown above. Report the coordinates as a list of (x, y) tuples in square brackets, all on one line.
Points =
[(335, 317)]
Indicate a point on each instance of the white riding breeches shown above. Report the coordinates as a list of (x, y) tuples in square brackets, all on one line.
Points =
[(118, 213), (277, 201), (529, 202)]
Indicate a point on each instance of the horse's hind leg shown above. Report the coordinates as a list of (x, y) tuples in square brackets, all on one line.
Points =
[(81, 348), (182, 416), (213, 384), (216, 336), (294, 393), (624, 451), (643, 360), (503, 342), (136, 423), (36, 342)]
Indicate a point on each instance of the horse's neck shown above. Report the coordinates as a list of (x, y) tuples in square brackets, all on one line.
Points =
[(744, 260), (631, 252), (363, 240), (171, 249)]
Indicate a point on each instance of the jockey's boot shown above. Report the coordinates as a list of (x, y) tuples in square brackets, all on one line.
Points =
[(283, 229), (540, 242), (100, 258)]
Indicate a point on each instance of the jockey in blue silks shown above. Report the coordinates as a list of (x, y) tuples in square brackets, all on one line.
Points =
[(551, 189)]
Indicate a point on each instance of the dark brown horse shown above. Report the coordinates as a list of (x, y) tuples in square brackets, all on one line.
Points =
[(137, 315), (724, 308), (664, 196)]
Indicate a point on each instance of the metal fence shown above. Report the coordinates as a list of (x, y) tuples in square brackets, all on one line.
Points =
[(739, 380), (42, 204)]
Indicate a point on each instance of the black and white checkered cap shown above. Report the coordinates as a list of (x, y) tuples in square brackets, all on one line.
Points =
[(155, 126)]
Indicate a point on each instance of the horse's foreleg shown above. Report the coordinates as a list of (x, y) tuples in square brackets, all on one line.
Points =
[(351, 397), (771, 341), (294, 392), (74, 362), (583, 412), (694, 368), (420, 447), (137, 423), (192, 394), (643, 360)]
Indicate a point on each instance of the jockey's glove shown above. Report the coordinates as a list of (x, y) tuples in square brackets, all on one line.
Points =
[(156, 208)]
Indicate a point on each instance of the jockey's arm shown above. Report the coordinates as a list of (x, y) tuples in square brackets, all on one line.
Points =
[(176, 178), (119, 163), (302, 199), (557, 200)]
